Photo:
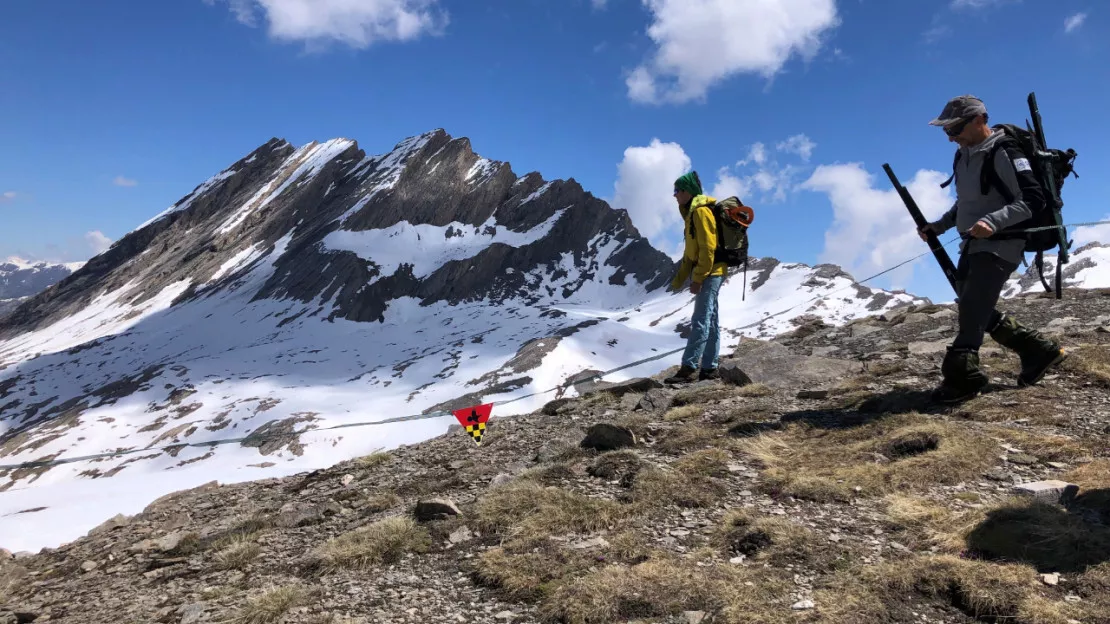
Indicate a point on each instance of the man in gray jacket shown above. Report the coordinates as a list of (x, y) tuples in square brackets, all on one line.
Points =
[(995, 190)]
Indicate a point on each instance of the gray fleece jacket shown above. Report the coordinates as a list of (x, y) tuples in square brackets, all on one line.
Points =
[(1016, 174)]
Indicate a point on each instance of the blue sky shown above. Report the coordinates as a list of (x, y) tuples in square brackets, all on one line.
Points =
[(112, 110)]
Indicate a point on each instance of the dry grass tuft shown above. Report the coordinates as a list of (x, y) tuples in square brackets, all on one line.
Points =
[(655, 488), (237, 552), (1091, 362), (381, 500), (776, 541), (271, 606), (382, 542), (1090, 476), (528, 570), (1045, 447), (623, 464), (687, 437), (663, 588), (374, 459), (703, 394), (706, 463), (827, 465), (754, 390), (686, 412), (1042, 405), (535, 510), (986, 591)]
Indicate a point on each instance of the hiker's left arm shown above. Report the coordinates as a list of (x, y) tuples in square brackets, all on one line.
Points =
[(706, 232), (1016, 173)]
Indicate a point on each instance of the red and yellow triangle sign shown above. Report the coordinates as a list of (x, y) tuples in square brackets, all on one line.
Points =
[(473, 420)]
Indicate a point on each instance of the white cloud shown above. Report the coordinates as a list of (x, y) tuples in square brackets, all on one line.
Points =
[(976, 4), (798, 144), (756, 154), (8, 196), (356, 23), (644, 187), (1075, 21), (871, 229), (645, 184), (695, 51), (599, 4), (1091, 233), (98, 242), (122, 181)]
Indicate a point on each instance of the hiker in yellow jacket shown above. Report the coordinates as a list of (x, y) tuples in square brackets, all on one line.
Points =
[(703, 345)]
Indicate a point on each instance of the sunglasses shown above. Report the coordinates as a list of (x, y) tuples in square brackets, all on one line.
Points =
[(956, 129)]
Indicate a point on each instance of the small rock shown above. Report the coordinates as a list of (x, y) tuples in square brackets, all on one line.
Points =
[(694, 617), (88, 566), (813, 395), (608, 437), (824, 351), (506, 615), (1072, 598), (631, 401), (1050, 579), (1022, 459), (435, 509), (654, 400), (460, 535), (737, 560), (1049, 491), (944, 314), (115, 522), (733, 374), (5, 554), (802, 605), (997, 474), (169, 542), (928, 348), (347, 479), (500, 479), (597, 542), (915, 317), (193, 613), (1057, 465)]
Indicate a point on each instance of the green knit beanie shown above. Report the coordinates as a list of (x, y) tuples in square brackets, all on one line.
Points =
[(689, 183)]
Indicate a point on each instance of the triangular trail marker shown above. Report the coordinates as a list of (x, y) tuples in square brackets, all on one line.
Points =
[(473, 419)]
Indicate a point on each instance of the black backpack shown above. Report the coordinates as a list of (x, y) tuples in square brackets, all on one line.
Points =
[(1050, 167)]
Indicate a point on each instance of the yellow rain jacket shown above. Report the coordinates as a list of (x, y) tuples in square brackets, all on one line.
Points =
[(701, 240)]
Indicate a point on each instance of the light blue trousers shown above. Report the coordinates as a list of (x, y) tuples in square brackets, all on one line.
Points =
[(704, 343)]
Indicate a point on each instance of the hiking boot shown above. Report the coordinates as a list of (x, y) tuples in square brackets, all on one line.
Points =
[(962, 377), (684, 375), (709, 373), (1037, 352)]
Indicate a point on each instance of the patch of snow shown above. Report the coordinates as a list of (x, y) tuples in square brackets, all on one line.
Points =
[(481, 169), (427, 247), (308, 160)]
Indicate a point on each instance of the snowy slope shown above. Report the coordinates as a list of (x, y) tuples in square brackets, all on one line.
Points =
[(306, 289), (1087, 267)]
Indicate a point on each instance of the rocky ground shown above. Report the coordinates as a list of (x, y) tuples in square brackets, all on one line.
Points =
[(816, 484)]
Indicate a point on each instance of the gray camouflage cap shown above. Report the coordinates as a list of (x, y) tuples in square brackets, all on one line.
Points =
[(959, 108)]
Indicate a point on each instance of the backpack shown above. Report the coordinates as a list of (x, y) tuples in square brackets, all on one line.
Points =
[(732, 218), (1050, 167)]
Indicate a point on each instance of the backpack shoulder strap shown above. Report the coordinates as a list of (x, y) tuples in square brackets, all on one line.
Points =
[(989, 178), (955, 161)]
